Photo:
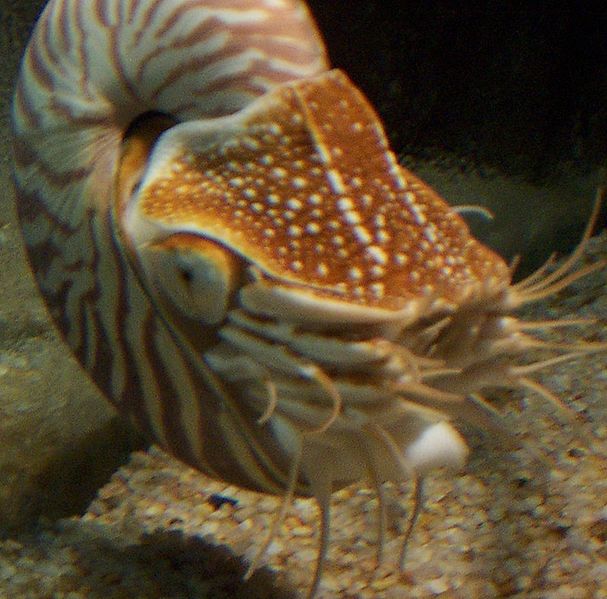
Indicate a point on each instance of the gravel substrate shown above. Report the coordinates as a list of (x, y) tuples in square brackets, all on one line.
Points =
[(525, 523)]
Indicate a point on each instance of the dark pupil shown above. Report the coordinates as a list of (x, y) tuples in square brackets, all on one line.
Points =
[(187, 276)]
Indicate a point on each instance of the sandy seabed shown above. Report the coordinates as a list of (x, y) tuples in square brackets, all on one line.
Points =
[(530, 523)]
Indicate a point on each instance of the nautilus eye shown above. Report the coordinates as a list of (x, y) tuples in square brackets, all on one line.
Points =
[(196, 276)]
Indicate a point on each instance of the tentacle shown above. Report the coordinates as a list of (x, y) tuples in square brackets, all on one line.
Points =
[(573, 349), (417, 495), (517, 371), (272, 402), (474, 209), (382, 516), (408, 474), (382, 524), (532, 325), (323, 499), (287, 499), (316, 374), (537, 286), (553, 284), (555, 400), (319, 476)]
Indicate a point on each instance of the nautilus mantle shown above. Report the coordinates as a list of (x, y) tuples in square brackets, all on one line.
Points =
[(233, 253)]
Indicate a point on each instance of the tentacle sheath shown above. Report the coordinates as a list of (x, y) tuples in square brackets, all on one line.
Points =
[(232, 252)]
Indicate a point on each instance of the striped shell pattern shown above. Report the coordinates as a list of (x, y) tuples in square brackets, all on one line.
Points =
[(234, 255)]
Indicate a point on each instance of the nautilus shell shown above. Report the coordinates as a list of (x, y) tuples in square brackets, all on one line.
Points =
[(233, 253)]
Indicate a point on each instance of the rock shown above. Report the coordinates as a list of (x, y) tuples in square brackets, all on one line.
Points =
[(59, 439)]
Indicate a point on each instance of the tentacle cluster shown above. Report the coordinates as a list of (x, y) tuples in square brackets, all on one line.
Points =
[(374, 402)]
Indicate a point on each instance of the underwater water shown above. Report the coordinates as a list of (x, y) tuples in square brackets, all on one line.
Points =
[(513, 523)]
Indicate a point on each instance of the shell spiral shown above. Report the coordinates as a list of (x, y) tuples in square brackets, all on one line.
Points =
[(90, 69)]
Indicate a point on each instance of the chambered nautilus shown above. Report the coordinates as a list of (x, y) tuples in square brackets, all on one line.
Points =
[(234, 255)]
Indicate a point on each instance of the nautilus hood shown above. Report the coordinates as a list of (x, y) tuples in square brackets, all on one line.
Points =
[(303, 184)]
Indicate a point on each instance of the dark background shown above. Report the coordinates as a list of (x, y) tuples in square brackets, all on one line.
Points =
[(518, 86)]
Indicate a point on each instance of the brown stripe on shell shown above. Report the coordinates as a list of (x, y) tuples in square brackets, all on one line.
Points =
[(100, 368), (194, 65), (128, 85), (100, 12), (38, 66), (47, 33), (133, 6), (63, 33), (26, 157), (178, 443), (131, 400), (150, 13), (30, 205), (231, 466), (136, 405), (22, 105)]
